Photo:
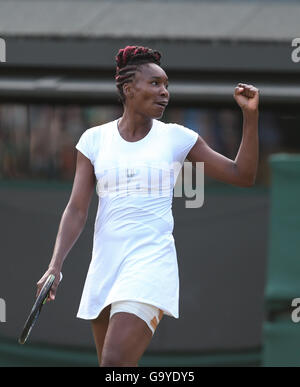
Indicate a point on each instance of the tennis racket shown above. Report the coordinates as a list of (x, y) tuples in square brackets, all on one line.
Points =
[(36, 309)]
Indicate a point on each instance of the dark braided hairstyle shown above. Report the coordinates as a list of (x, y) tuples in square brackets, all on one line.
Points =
[(128, 60)]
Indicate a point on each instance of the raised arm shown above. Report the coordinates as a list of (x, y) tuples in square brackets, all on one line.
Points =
[(242, 170), (73, 219)]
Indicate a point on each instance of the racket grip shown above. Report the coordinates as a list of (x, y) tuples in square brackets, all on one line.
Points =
[(60, 278)]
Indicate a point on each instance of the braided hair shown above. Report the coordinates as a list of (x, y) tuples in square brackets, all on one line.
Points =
[(128, 60)]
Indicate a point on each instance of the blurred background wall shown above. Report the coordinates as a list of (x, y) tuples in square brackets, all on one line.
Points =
[(58, 80)]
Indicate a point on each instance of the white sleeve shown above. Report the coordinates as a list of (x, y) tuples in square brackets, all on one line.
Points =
[(85, 145), (183, 140)]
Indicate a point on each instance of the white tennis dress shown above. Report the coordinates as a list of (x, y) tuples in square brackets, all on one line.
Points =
[(134, 255)]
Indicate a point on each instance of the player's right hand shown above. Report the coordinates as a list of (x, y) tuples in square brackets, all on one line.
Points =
[(41, 282)]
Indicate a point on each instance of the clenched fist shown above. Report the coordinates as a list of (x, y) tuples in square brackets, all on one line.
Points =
[(247, 97)]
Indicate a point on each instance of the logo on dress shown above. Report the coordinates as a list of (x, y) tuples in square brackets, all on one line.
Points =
[(130, 172)]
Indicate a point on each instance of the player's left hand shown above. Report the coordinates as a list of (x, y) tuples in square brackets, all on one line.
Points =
[(247, 97)]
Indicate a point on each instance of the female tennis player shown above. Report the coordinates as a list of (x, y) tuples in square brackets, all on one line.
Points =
[(132, 279)]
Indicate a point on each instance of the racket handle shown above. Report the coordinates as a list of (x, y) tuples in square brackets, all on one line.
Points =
[(60, 278)]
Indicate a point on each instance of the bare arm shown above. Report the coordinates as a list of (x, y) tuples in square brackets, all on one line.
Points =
[(73, 219), (241, 171)]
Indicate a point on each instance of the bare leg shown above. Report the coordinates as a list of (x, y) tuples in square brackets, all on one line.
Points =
[(99, 326), (126, 340)]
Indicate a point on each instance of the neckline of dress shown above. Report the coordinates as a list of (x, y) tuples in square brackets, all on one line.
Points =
[(134, 142)]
